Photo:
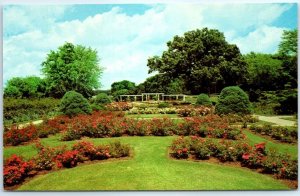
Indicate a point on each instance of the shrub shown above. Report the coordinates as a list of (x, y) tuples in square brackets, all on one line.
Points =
[(203, 99), (68, 159), (74, 103), (20, 110), (15, 170), (163, 105), (233, 100), (96, 107), (16, 136), (180, 148), (119, 150), (101, 98), (201, 150)]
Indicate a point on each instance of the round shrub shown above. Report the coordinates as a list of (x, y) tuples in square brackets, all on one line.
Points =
[(233, 100), (203, 99), (74, 103), (101, 98)]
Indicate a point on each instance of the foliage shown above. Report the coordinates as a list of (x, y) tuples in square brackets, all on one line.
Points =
[(288, 44), (68, 159), (72, 68), (203, 59), (27, 87), (119, 106), (74, 103), (203, 99), (257, 157), (233, 100), (118, 150), (163, 105), (20, 110), (16, 136), (288, 103), (16, 170), (101, 98), (262, 66), (283, 134), (122, 85)]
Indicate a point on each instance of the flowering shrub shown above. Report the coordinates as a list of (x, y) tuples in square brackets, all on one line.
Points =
[(45, 159), (16, 136), (16, 170), (119, 106), (257, 157), (189, 111), (283, 134), (180, 147), (68, 159)]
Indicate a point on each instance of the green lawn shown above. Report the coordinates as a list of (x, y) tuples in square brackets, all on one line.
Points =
[(291, 149), (149, 169), (292, 118)]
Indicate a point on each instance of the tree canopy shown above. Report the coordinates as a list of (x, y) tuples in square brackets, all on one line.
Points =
[(72, 68), (203, 59), (27, 87), (288, 44)]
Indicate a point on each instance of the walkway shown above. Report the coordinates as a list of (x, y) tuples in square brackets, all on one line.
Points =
[(277, 120)]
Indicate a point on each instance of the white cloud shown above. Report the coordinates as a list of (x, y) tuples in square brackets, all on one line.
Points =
[(264, 39), (124, 43)]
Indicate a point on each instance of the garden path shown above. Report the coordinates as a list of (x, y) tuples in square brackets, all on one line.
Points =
[(277, 120)]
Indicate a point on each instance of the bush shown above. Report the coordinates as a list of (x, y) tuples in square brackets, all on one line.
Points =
[(233, 100), (74, 103), (101, 98), (163, 105), (21, 110), (68, 159), (16, 136), (15, 170), (203, 99), (118, 150), (96, 107)]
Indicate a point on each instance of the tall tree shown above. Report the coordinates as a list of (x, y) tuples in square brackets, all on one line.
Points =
[(203, 59), (288, 44), (72, 68), (288, 54)]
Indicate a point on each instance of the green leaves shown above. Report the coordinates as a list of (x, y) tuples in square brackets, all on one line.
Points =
[(72, 68), (203, 59)]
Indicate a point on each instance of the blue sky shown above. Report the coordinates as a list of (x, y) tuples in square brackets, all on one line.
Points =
[(125, 36)]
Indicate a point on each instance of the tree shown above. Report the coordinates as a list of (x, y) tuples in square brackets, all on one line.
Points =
[(288, 44), (27, 87), (233, 100), (288, 54), (72, 68), (203, 59), (123, 85), (264, 71)]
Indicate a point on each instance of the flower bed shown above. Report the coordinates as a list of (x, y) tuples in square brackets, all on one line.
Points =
[(113, 126), (48, 158), (283, 134), (256, 157)]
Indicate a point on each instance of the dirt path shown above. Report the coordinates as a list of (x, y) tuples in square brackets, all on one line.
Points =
[(277, 120)]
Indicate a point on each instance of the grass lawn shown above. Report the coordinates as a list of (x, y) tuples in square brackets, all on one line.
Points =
[(284, 148), (149, 169)]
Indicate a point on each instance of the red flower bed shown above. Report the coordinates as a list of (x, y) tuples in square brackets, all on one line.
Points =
[(16, 170), (68, 159), (282, 166), (15, 135)]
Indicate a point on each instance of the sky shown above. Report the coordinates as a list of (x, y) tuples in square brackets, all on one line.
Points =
[(126, 35)]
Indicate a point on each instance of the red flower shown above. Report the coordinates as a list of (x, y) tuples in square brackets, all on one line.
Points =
[(246, 156)]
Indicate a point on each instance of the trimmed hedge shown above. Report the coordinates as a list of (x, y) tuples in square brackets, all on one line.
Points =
[(74, 103), (203, 99), (233, 100)]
